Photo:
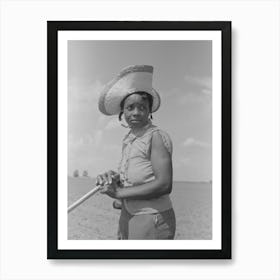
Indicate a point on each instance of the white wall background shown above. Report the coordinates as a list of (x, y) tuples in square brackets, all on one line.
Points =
[(255, 139)]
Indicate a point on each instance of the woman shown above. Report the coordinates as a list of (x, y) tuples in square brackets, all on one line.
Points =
[(144, 178)]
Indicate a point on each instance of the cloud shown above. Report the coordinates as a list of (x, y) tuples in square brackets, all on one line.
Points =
[(97, 137), (192, 97), (101, 119), (196, 90), (83, 90), (201, 87), (85, 142), (112, 124), (89, 153), (202, 82), (82, 94), (114, 148), (191, 142), (206, 91)]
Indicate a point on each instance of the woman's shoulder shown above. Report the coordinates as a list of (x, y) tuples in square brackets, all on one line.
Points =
[(165, 137)]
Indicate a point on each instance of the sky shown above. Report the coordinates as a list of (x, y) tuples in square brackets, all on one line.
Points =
[(183, 78)]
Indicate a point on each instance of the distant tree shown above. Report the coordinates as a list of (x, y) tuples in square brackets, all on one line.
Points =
[(85, 173), (76, 173)]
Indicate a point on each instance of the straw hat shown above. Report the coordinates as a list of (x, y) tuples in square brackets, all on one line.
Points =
[(131, 79)]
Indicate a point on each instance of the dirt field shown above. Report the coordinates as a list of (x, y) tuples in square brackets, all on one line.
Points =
[(97, 219)]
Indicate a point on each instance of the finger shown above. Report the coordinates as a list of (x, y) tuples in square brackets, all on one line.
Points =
[(104, 189), (101, 180), (111, 176), (98, 180), (106, 178), (114, 176)]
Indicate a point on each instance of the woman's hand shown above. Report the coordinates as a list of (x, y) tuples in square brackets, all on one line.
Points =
[(109, 182), (110, 189), (107, 178)]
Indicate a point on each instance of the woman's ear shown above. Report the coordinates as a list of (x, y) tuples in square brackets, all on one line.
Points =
[(120, 116), (121, 120)]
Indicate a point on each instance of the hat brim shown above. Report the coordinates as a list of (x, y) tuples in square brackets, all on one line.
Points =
[(110, 101)]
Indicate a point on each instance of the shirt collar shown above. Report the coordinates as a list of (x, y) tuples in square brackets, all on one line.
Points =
[(131, 137)]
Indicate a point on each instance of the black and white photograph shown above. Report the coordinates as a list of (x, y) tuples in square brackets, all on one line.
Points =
[(114, 129), (140, 140)]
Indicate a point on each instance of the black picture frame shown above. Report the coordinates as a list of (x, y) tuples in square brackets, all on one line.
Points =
[(53, 27)]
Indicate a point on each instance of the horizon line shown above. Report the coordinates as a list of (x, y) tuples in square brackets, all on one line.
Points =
[(178, 181)]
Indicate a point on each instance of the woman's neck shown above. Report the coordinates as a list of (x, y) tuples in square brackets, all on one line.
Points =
[(138, 131)]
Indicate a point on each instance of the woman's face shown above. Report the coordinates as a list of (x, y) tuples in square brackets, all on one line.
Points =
[(136, 111)]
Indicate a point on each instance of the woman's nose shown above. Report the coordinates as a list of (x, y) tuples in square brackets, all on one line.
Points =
[(135, 111)]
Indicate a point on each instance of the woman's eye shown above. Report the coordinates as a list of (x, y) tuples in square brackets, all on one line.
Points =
[(141, 108)]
